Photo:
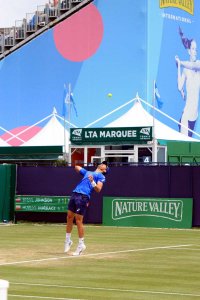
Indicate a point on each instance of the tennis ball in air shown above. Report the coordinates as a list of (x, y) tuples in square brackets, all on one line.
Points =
[(109, 95)]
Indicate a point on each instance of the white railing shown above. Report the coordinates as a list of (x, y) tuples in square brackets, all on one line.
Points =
[(45, 17), (4, 285)]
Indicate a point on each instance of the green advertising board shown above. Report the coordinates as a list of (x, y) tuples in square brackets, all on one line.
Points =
[(96, 136), (148, 212), (41, 203)]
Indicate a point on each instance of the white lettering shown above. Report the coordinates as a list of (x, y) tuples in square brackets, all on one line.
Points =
[(91, 134), (176, 207), (118, 208), (102, 134), (164, 209)]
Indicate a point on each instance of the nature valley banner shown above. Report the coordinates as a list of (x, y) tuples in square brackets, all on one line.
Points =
[(148, 212)]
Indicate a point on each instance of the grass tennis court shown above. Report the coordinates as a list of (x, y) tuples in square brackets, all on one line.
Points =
[(119, 263)]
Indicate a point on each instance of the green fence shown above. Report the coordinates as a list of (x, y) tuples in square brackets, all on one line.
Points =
[(147, 212), (30, 153), (7, 192), (183, 152)]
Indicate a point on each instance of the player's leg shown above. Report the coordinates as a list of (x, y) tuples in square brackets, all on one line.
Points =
[(70, 220), (80, 227), (69, 227), (81, 206)]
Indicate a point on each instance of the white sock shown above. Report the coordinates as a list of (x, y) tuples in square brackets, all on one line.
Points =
[(81, 241), (68, 236)]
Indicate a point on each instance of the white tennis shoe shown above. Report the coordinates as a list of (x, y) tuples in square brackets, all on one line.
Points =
[(68, 245), (79, 250)]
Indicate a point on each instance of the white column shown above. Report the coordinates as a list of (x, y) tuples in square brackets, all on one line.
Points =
[(154, 146), (85, 155), (154, 151), (4, 284)]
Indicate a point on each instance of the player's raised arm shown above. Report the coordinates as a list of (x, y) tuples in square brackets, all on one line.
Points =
[(78, 168), (97, 186)]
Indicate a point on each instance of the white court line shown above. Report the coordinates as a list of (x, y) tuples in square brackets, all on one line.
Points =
[(104, 227), (107, 227), (38, 297), (90, 255), (104, 289)]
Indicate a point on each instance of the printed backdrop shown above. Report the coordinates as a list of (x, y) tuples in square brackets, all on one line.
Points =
[(108, 52)]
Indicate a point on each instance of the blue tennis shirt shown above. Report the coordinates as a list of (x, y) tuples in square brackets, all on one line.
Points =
[(85, 187)]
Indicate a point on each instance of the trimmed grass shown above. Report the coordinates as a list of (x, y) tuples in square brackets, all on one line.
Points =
[(119, 263)]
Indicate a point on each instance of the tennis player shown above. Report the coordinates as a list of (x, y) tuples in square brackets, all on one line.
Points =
[(79, 201)]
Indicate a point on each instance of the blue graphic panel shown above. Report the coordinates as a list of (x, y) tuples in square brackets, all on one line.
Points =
[(178, 85), (108, 52), (32, 78)]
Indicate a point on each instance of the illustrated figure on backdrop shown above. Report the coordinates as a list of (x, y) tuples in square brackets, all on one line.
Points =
[(189, 85), (79, 202)]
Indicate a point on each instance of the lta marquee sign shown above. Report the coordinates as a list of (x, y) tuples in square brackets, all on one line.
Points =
[(87, 136), (148, 212)]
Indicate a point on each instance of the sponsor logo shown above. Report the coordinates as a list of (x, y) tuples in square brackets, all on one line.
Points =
[(171, 209), (145, 131), (77, 132), (186, 5)]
